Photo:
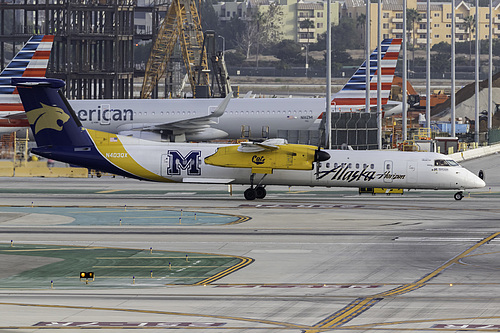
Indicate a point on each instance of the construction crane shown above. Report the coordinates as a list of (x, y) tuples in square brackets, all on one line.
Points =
[(181, 23)]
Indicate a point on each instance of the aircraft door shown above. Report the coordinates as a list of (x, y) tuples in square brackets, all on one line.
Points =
[(265, 132), (412, 172), (388, 171), (105, 114), (245, 131), (211, 109)]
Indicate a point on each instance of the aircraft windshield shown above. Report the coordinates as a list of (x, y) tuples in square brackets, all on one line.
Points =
[(445, 163)]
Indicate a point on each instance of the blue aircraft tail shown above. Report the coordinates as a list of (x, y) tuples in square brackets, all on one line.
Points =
[(60, 135), (52, 120)]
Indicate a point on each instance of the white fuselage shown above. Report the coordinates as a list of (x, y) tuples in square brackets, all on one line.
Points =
[(244, 117), (346, 168)]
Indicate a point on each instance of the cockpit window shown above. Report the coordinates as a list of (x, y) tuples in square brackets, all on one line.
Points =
[(445, 163)]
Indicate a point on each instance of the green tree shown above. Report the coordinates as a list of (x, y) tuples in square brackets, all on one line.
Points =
[(341, 36), (412, 17), (208, 18), (361, 24), (307, 24), (264, 29), (288, 51), (469, 24), (232, 31)]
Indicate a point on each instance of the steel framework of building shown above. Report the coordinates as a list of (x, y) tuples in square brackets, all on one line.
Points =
[(93, 45)]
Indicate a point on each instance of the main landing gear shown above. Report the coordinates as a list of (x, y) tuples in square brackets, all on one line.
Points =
[(257, 192), (459, 195)]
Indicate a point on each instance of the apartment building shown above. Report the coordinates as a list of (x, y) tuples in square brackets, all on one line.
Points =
[(440, 20), (294, 12)]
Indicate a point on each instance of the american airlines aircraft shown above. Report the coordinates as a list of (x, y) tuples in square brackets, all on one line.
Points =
[(60, 136), (205, 119), (195, 119)]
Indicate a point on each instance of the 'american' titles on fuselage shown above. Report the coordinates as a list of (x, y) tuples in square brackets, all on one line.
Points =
[(105, 114)]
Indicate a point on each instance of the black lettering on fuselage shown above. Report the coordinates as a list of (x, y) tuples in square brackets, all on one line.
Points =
[(106, 114)]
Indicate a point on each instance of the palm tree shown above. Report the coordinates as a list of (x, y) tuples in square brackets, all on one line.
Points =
[(412, 17), (469, 23), (307, 24), (361, 22)]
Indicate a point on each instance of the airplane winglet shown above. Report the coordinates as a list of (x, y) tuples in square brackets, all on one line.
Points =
[(222, 107)]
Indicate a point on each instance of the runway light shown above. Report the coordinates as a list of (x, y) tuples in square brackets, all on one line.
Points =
[(187, 259), (151, 274), (11, 243), (451, 284), (133, 279), (150, 250), (51, 284)]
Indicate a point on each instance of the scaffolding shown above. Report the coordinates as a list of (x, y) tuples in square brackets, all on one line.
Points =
[(93, 44)]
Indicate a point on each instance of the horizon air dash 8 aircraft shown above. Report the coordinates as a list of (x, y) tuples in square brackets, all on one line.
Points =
[(202, 119), (60, 136)]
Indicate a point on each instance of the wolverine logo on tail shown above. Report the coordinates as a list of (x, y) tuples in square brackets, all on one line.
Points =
[(47, 117)]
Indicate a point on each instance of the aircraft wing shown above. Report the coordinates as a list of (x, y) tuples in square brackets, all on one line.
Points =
[(192, 124), (252, 147), (15, 116)]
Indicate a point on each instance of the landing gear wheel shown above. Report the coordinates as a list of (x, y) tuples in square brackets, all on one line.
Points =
[(250, 194), (458, 196), (260, 192)]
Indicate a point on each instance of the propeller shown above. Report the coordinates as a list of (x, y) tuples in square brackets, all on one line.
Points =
[(321, 155)]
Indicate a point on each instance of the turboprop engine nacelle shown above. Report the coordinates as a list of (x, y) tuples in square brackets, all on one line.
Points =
[(266, 156)]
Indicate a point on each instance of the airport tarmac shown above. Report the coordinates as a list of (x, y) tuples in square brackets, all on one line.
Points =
[(301, 260)]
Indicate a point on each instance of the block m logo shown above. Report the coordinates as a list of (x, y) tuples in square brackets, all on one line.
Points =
[(177, 162)]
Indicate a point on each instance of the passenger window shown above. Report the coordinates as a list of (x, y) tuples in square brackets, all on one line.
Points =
[(372, 166), (357, 165)]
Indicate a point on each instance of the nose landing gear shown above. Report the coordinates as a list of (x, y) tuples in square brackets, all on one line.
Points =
[(459, 195)]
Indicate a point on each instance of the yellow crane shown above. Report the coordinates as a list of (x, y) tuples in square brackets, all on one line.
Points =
[(182, 23)]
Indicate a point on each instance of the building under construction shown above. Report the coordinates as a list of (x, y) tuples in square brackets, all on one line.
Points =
[(93, 44)]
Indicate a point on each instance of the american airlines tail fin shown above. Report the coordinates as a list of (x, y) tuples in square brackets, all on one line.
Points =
[(352, 97), (31, 61)]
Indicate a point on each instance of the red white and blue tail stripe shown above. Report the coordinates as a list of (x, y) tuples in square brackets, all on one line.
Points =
[(352, 97), (31, 61)]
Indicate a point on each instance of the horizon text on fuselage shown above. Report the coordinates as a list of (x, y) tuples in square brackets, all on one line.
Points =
[(105, 114)]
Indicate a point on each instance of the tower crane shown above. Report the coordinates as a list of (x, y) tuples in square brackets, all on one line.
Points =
[(182, 23)]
